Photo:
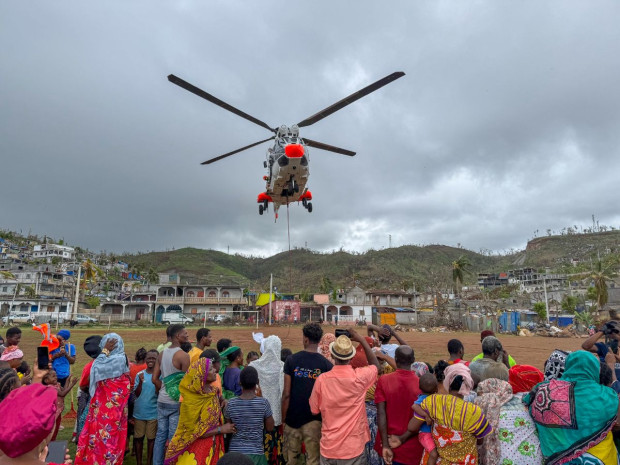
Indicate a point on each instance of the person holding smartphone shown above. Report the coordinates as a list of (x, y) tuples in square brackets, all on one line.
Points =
[(63, 357)]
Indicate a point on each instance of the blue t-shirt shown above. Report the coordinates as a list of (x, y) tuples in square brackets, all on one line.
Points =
[(231, 380), (145, 406), (425, 428), (61, 364), (248, 415)]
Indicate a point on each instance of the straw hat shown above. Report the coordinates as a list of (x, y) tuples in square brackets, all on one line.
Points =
[(342, 349)]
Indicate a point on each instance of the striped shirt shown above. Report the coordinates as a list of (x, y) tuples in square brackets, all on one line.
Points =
[(248, 416)]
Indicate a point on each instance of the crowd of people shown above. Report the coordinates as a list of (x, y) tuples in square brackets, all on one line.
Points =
[(346, 399)]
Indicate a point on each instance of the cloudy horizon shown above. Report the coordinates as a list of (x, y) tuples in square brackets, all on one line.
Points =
[(506, 123)]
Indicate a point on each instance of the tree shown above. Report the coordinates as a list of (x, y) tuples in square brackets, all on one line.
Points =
[(151, 277), (540, 308), (7, 275), (91, 273), (93, 301), (459, 267), (599, 278), (30, 292), (326, 285), (569, 304)]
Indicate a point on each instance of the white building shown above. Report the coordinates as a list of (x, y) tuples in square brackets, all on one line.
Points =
[(49, 251)]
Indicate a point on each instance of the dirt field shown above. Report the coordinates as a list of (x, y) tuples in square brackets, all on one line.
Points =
[(429, 347)]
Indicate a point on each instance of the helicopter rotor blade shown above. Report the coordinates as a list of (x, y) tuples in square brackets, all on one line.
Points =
[(205, 95), (212, 160), (350, 99), (329, 148)]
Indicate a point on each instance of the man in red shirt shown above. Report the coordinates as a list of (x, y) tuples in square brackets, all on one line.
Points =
[(394, 396), (338, 396)]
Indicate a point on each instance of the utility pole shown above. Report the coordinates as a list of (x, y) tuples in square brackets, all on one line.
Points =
[(390, 240), (77, 292), (270, 295), (546, 302)]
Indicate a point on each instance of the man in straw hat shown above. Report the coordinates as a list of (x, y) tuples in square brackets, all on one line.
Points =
[(338, 396)]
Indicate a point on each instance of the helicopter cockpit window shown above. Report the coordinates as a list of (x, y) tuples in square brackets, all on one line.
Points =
[(283, 160), (304, 161)]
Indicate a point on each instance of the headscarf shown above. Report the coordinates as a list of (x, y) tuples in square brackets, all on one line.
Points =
[(108, 366), (91, 346), (554, 366), (64, 333), (28, 415), (458, 369), (11, 353), (224, 356), (359, 360), (493, 393), (575, 413), (523, 378), (271, 375), (326, 340), (200, 410), (419, 368)]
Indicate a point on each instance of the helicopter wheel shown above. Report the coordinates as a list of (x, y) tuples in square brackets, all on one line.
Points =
[(265, 205), (309, 207), (304, 202), (260, 209)]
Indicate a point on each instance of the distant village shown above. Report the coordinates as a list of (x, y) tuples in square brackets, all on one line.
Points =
[(52, 282)]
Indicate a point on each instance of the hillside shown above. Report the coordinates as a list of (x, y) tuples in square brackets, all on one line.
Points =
[(555, 251), (303, 269)]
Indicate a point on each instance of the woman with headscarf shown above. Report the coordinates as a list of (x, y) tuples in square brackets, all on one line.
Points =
[(457, 424), (555, 364), (323, 348), (29, 416), (523, 378), (92, 349), (271, 380), (105, 432), (199, 438), (574, 415), (514, 438)]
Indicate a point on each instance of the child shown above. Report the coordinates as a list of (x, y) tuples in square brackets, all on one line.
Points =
[(428, 386), (24, 373), (252, 355), (251, 415), (145, 409), (232, 387), (12, 354), (51, 379), (284, 353)]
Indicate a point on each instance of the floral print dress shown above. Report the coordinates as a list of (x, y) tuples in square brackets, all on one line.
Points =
[(518, 439), (102, 440)]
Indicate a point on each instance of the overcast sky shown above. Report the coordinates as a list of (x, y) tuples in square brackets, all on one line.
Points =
[(507, 122)]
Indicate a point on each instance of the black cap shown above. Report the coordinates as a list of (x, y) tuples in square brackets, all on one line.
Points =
[(91, 346)]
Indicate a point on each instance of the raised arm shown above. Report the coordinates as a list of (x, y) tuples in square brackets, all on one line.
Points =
[(370, 355), (157, 374), (588, 344)]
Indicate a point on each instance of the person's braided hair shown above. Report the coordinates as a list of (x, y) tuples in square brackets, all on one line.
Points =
[(8, 381)]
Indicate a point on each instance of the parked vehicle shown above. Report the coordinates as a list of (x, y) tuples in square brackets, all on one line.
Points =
[(18, 318), (44, 317), (85, 319), (175, 318)]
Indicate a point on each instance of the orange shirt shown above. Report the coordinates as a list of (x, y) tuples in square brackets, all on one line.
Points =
[(338, 396), (217, 383), (134, 369)]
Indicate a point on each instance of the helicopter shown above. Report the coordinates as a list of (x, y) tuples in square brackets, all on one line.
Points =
[(287, 161)]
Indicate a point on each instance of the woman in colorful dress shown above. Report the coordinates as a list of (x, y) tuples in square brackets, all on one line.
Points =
[(104, 435), (199, 438), (457, 424), (323, 348), (574, 415), (271, 380), (514, 440)]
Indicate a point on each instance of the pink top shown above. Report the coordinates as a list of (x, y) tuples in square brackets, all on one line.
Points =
[(338, 395)]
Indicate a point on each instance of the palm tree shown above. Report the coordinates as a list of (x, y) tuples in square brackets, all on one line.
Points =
[(599, 279), (151, 277), (459, 267), (91, 273), (30, 292), (7, 275)]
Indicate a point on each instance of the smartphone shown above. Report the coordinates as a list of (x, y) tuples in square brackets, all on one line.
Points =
[(342, 332), (43, 358), (56, 451)]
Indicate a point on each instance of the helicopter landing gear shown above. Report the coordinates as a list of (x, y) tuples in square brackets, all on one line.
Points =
[(265, 205), (261, 209), (292, 188), (304, 202), (309, 207)]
